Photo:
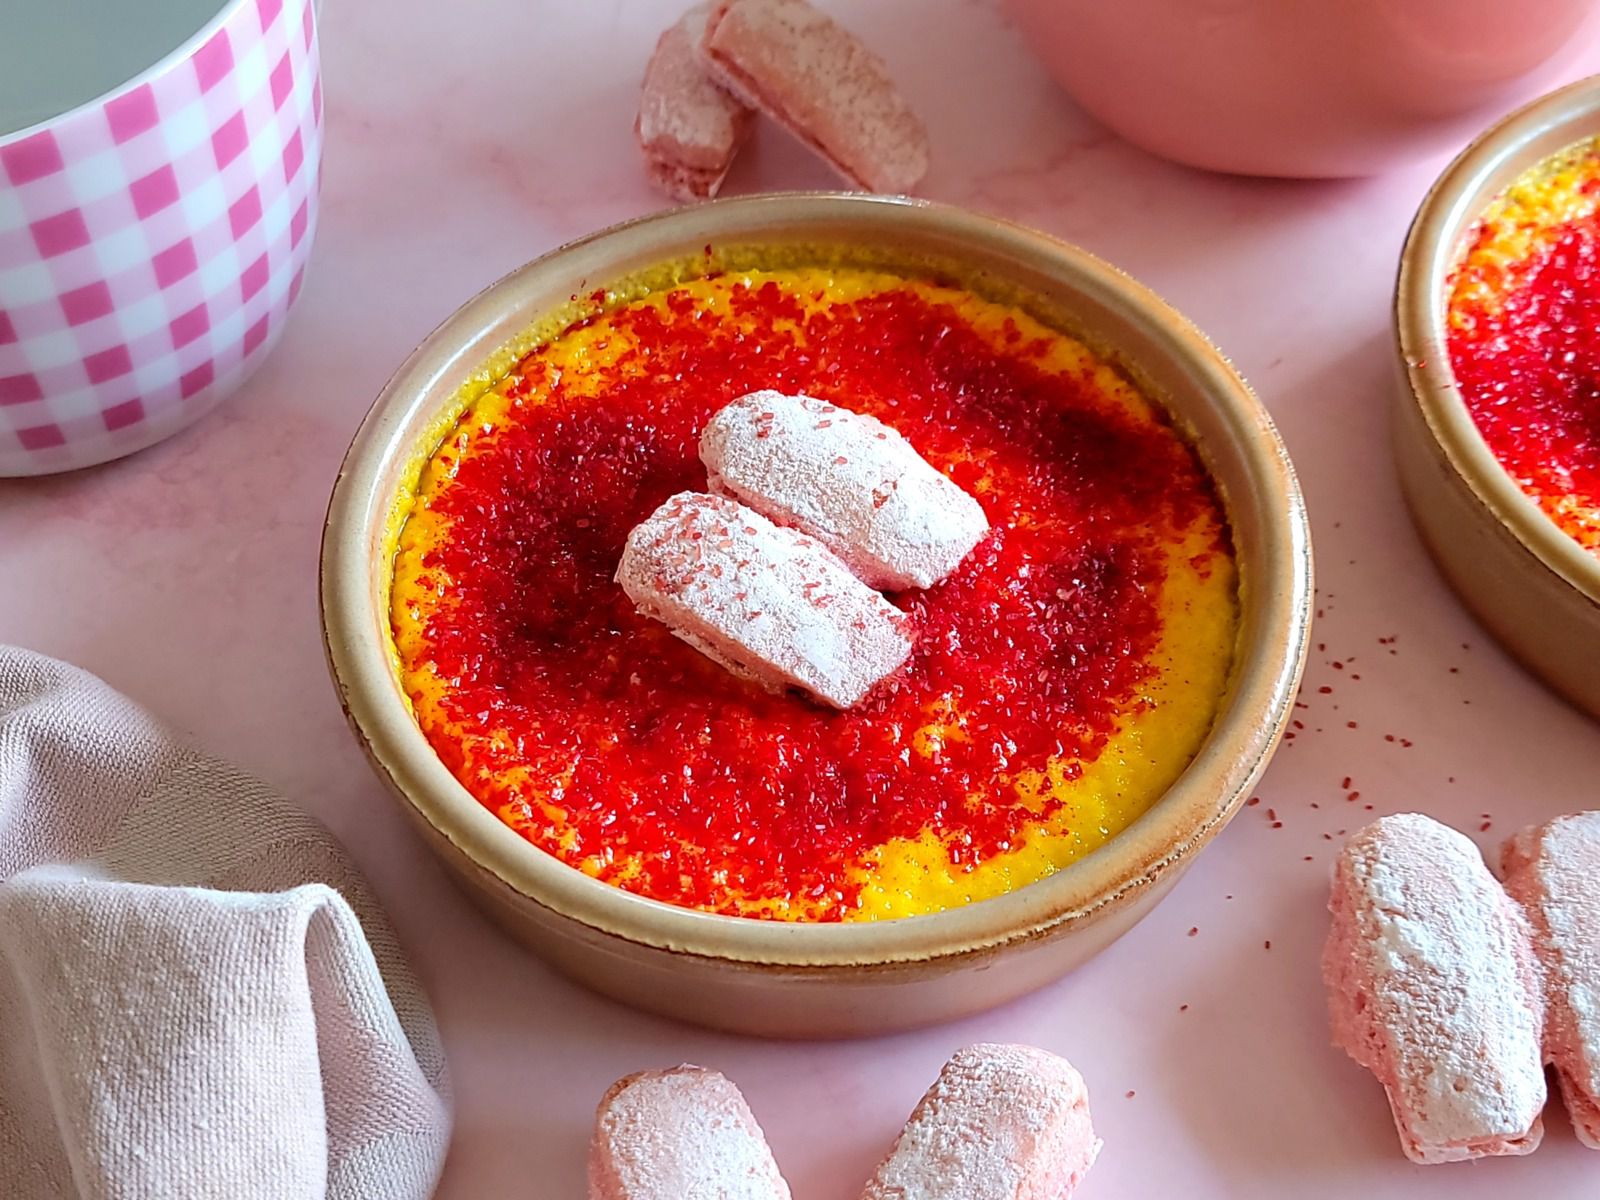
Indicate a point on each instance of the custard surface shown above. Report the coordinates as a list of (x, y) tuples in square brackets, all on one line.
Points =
[(1062, 677)]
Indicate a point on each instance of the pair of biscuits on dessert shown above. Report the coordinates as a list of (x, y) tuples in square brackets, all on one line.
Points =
[(727, 60), (1455, 990), (775, 576), (1000, 1123)]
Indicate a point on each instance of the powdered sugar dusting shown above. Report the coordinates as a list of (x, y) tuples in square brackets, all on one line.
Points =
[(1433, 988), (688, 127), (770, 603), (821, 83), (1001, 1123), (1554, 871), (847, 479), (682, 1134)]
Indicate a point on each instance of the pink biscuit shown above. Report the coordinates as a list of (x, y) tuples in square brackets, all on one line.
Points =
[(688, 127), (683, 1134), (767, 603), (1001, 1123), (819, 82), (1433, 987), (1554, 871), (848, 480)]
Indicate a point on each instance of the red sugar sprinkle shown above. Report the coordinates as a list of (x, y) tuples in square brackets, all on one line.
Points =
[(1325, 690), (1194, 930), (1183, 1008), (1484, 828), (1346, 782), (1272, 814), (1130, 1093), (1277, 825), (785, 796), (1266, 945), (1252, 802)]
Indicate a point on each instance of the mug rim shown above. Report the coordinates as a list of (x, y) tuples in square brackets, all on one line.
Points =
[(182, 52)]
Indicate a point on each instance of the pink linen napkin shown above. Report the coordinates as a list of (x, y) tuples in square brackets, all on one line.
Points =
[(199, 997)]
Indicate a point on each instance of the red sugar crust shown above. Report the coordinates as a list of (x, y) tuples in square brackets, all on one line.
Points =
[(1433, 987), (1553, 870), (680, 1134), (688, 128), (767, 603), (1000, 1123), (846, 479), (819, 82)]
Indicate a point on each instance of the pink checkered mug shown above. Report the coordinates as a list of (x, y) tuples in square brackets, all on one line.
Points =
[(152, 239)]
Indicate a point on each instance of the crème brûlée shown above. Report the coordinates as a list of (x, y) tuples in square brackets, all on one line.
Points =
[(1061, 677), (1524, 339)]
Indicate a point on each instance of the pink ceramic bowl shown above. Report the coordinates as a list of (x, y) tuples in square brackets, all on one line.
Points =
[(1302, 87), (153, 239)]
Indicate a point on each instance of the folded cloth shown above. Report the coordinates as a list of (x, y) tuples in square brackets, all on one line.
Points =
[(199, 996)]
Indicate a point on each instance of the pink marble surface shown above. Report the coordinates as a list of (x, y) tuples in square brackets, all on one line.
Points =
[(460, 146)]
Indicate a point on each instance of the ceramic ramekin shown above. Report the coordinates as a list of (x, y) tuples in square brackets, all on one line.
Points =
[(1266, 87), (1535, 588), (829, 980)]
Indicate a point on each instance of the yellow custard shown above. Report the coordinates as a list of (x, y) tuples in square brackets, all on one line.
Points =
[(1062, 677)]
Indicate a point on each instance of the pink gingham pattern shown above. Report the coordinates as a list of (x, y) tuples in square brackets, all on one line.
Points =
[(151, 244)]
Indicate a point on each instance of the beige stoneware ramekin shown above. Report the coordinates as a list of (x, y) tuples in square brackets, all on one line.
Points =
[(814, 980), (1534, 587)]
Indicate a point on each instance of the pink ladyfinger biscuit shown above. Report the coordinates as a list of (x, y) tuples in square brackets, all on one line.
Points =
[(688, 127), (1433, 987), (1001, 1123), (817, 80), (1554, 872), (848, 480), (683, 1134), (768, 603)]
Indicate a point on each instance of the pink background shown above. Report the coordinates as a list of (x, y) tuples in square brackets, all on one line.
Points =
[(459, 147)]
